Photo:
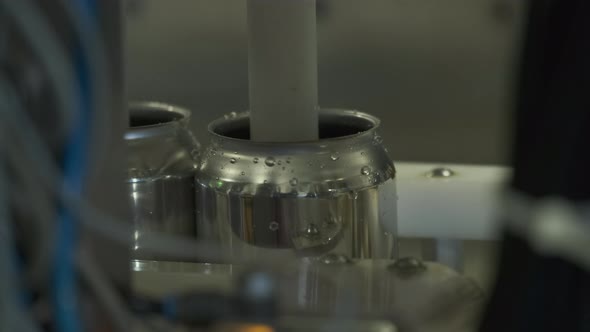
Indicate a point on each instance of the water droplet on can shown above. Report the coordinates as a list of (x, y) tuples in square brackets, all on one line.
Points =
[(294, 182), (270, 162), (334, 156), (311, 231), (243, 173), (255, 160), (233, 160), (366, 170)]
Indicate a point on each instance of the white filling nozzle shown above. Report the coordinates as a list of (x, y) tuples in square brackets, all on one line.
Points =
[(283, 70)]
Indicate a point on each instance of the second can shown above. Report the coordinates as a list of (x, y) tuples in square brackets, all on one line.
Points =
[(336, 194), (163, 156)]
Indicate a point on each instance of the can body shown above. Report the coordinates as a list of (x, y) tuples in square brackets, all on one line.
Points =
[(161, 165), (309, 198)]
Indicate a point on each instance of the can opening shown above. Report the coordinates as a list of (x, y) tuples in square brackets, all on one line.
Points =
[(331, 125), (143, 117)]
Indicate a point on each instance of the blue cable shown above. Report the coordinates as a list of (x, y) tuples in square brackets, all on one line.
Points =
[(170, 308), (89, 10), (67, 316), (75, 166)]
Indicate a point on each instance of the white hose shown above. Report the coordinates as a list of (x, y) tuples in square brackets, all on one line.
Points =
[(108, 297), (12, 317), (17, 122), (45, 43)]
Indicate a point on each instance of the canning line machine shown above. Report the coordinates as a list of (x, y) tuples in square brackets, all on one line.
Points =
[(289, 216)]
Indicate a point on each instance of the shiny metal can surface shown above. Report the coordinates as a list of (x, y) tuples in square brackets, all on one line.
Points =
[(335, 195), (163, 156)]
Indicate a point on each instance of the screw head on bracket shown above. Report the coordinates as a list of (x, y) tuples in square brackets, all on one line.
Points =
[(440, 173)]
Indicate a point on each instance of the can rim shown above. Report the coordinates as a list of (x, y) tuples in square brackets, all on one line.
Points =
[(163, 118), (237, 119)]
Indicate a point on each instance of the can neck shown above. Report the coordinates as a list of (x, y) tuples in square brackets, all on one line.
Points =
[(339, 129)]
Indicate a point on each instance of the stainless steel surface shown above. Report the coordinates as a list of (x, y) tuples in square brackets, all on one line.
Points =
[(314, 197), (438, 73), (161, 170)]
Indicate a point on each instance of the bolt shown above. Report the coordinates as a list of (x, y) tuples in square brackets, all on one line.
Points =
[(440, 172)]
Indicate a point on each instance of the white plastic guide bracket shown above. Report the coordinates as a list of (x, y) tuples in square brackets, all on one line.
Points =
[(449, 204)]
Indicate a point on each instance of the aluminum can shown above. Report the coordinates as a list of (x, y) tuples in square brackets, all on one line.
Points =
[(336, 194), (162, 160)]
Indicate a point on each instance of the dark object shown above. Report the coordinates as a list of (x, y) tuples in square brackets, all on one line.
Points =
[(550, 155), (535, 292)]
